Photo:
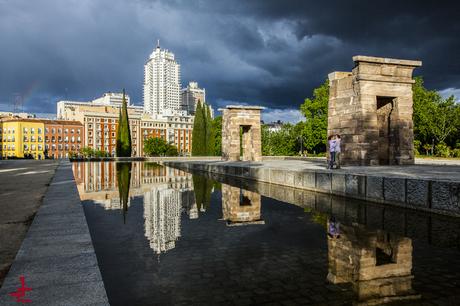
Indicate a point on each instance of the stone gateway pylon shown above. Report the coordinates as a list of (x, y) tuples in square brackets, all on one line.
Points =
[(241, 131), (371, 109)]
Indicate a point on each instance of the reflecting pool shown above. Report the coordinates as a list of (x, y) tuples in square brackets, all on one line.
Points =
[(167, 237)]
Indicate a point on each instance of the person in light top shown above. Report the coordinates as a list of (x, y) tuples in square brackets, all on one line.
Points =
[(332, 145), (337, 151)]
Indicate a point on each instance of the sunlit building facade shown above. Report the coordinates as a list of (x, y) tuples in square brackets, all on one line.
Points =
[(162, 83), (39, 138)]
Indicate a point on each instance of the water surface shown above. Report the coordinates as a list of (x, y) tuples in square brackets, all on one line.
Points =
[(167, 237)]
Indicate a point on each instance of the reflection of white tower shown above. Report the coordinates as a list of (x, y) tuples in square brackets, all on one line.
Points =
[(162, 213)]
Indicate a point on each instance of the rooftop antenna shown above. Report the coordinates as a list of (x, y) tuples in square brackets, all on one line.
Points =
[(158, 43)]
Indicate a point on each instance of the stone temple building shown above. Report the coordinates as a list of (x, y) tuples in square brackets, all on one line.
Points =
[(371, 108)]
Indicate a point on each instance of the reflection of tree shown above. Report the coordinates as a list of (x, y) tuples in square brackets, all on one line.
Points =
[(123, 179), (202, 188)]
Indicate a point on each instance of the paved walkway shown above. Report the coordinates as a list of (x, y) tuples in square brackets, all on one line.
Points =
[(23, 184), (57, 257), (423, 169)]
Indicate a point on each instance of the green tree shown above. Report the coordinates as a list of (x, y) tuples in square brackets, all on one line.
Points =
[(87, 152), (156, 146), (281, 143), (315, 109), (217, 133), (434, 117), (199, 132), (123, 132)]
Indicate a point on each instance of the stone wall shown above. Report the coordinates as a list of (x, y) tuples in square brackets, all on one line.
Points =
[(246, 119), (371, 108)]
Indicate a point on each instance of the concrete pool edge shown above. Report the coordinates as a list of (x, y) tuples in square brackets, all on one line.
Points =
[(57, 257), (428, 195)]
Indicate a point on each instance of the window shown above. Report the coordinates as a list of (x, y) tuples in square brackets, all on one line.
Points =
[(60, 131), (78, 139), (32, 138), (32, 130), (72, 139), (32, 147), (39, 138), (53, 130), (66, 131), (39, 130), (90, 126), (59, 146), (24, 130), (47, 130), (72, 131), (78, 131), (53, 147), (26, 147), (40, 147)]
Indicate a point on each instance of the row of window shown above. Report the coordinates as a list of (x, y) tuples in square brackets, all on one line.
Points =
[(59, 130), (66, 139), (60, 146), (40, 131)]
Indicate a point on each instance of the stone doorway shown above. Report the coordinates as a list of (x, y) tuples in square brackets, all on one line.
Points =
[(241, 133), (385, 106)]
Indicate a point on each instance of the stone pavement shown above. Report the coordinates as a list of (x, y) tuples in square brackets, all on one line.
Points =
[(23, 184), (438, 169), (57, 257)]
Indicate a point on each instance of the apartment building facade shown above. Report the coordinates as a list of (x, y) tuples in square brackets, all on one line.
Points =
[(39, 138), (100, 123)]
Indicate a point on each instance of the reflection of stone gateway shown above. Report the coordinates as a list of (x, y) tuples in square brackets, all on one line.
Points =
[(371, 108), (378, 264), (236, 118), (240, 207)]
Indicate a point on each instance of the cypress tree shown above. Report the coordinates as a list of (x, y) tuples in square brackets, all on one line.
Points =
[(199, 132), (210, 134), (123, 132)]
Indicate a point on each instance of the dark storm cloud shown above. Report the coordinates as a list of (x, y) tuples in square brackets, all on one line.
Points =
[(262, 52)]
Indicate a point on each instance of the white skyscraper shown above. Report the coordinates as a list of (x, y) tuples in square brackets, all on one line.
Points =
[(162, 83)]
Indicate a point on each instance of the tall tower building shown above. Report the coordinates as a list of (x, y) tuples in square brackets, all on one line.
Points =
[(190, 96), (161, 83)]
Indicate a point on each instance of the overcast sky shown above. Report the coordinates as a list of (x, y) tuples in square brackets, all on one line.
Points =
[(270, 53)]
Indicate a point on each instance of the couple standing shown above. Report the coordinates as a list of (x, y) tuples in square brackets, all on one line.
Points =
[(334, 151)]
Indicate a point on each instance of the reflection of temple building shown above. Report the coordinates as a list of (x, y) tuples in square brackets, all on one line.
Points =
[(378, 264), (240, 206)]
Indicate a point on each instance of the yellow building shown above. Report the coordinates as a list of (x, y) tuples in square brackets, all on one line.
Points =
[(22, 137)]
